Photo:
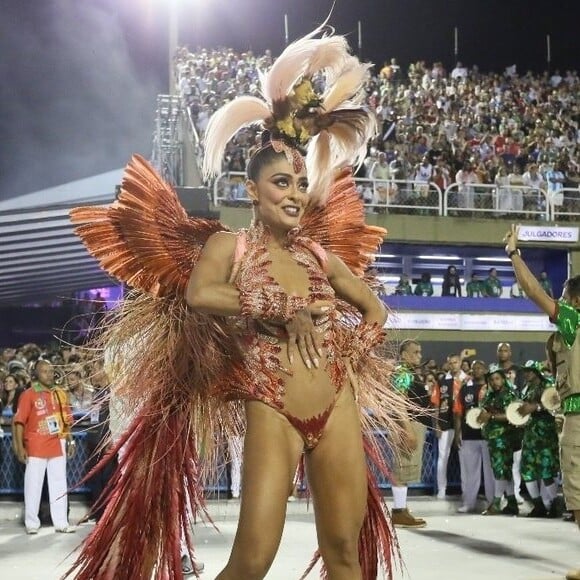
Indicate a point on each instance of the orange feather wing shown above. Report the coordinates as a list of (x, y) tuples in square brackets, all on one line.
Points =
[(145, 238), (339, 225)]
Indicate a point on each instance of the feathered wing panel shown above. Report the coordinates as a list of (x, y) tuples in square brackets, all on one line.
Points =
[(145, 238), (339, 226), (166, 363)]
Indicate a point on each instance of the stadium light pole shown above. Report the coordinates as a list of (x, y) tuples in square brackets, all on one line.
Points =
[(173, 40)]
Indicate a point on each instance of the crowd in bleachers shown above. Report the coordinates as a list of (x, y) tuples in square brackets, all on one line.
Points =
[(518, 134)]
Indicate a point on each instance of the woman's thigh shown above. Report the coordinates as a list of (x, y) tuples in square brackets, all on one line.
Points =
[(337, 475), (272, 449)]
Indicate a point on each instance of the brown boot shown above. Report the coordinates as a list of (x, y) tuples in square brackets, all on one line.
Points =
[(573, 575), (401, 518)]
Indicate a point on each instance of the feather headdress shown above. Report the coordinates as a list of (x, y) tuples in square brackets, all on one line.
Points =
[(332, 126)]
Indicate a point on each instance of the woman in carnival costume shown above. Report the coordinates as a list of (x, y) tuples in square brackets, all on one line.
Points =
[(268, 333)]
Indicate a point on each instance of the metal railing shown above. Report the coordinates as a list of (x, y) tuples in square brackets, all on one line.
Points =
[(398, 196), (380, 196), (12, 472), (565, 204), (479, 199)]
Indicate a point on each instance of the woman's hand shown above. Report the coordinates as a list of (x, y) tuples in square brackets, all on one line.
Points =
[(302, 334)]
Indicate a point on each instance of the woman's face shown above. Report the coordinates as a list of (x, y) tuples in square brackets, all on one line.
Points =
[(281, 194), (10, 383)]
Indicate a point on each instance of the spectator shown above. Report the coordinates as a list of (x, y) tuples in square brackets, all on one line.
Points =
[(98, 434), (473, 288), (80, 394), (556, 176), (459, 72), (546, 284), (424, 287), (381, 174), (403, 287), (516, 290), (534, 199), (466, 178), (492, 286), (10, 396), (423, 177), (451, 283)]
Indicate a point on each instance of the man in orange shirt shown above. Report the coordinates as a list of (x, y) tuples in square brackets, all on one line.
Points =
[(41, 435)]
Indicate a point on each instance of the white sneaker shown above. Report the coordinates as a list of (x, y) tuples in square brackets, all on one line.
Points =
[(464, 509), (32, 531), (66, 530), (441, 495)]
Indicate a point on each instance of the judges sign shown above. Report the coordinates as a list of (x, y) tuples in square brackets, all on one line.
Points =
[(548, 234)]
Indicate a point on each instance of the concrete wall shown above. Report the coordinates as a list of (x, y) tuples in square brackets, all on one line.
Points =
[(421, 229), (452, 231)]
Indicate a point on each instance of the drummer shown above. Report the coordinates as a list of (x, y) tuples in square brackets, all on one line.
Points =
[(473, 448), (501, 438), (540, 463)]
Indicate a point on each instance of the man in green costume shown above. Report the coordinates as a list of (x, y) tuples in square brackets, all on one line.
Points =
[(540, 462), (501, 439), (565, 315)]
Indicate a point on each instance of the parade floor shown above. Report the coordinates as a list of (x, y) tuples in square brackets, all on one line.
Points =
[(452, 546)]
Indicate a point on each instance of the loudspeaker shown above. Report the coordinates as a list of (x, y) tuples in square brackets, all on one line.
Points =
[(195, 200)]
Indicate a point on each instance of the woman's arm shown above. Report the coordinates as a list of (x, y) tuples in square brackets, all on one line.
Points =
[(208, 289), (354, 291), (526, 278)]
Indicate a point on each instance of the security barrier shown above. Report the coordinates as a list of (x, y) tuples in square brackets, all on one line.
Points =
[(12, 472)]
